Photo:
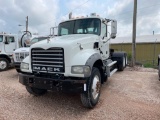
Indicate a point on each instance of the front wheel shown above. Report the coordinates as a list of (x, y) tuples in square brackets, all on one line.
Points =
[(36, 91), (91, 97), (4, 64)]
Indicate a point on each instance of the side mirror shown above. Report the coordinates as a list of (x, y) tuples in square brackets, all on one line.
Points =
[(113, 29)]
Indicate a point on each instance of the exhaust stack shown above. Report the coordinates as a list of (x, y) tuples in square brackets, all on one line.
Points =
[(70, 15)]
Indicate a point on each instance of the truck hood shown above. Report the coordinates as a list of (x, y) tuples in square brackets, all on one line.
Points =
[(66, 40), (24, 49), (73, 45)]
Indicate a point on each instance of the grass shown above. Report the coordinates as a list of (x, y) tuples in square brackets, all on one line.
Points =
[(148, 65)]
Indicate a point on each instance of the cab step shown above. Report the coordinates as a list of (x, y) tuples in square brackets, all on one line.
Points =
[(109, 69)]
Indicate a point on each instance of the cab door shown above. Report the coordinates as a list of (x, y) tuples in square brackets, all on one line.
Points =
[(9, 44), (104, 44)]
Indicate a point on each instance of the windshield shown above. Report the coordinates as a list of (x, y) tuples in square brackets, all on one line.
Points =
[(34, 40), (81, 26), (1, 38)]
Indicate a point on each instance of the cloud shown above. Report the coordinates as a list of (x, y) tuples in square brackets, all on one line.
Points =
[(147, 15), (2, 22), (119, 7), (80, 8), (44, 14), (146, 25), (83, 4), (40, 13)]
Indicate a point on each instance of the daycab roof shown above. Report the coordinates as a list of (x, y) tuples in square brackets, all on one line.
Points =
[(72, 19), (8, 34)]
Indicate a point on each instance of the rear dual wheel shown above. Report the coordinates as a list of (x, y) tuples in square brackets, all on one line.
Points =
[(123, 63), (126, 59), (159, 68)]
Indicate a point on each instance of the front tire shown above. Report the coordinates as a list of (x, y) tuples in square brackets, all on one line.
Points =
[(4, 64), (18, 70), (36, 91), (91, 97)]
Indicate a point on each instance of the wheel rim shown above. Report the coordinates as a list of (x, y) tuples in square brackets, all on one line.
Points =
[(3, 65), (95, 87), (124, 63)]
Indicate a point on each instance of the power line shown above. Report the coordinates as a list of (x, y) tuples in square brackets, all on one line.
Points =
[(138, 16), (137, 9)]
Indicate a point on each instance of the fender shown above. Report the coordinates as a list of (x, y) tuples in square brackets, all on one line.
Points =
[(5, 56), (92, 59), (118, 56), (86, 57)]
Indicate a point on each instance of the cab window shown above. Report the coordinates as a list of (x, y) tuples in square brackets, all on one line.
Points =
[(80, 26), (34, 40), (11, 39), (1, 38), (104, 30), (64, 31)]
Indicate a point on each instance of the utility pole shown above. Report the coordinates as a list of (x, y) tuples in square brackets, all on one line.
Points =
[(26, 23), (134, 34)]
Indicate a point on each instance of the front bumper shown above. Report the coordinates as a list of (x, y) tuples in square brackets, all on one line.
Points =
[(12, 61), (17, 65), (65, 85)]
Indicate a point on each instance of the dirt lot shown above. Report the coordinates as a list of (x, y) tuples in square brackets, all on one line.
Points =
[(128, 95)]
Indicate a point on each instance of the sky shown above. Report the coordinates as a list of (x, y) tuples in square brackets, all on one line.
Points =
[(44, 14)]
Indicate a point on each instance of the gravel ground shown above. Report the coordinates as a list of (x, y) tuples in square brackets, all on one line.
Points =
[(133, 94)]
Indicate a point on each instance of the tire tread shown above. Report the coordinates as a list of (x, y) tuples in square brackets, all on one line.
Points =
[(36, 91)]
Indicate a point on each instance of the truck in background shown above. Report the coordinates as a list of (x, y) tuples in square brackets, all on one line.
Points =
[(21, 53), (78, 59), (8, 43)]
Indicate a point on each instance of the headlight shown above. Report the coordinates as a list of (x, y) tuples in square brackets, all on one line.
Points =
[(24, 66), (86, 70)]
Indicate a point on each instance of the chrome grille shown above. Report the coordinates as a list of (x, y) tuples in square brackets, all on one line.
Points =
[(20, 56), (47, 61)]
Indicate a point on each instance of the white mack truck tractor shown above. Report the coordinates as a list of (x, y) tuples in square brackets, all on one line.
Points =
[(78, 60), (8, 43)]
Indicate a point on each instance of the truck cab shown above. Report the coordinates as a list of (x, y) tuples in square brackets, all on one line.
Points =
[(77, 60), (8, 43)]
